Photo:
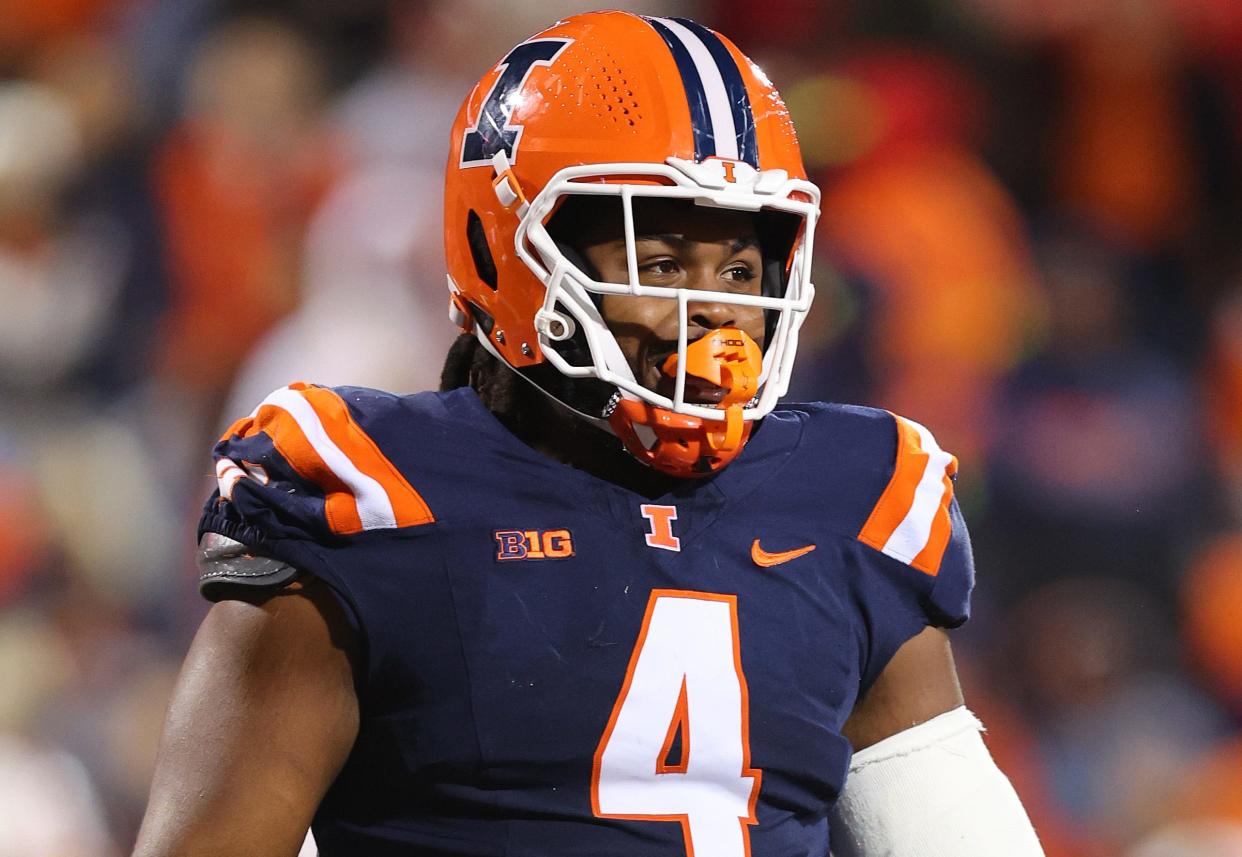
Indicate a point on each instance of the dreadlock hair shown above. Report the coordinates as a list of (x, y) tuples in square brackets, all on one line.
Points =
[(469, 364), (529, 413), (459, 362), (515, 402)]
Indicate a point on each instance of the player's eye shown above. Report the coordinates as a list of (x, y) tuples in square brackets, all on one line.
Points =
[(740, 276), (659, 267), (740, 273)]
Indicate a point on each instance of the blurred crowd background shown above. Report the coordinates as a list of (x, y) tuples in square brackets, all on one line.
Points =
[(1031, 242)]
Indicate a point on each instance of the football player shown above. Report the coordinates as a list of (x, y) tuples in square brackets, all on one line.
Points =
[(602, 594)]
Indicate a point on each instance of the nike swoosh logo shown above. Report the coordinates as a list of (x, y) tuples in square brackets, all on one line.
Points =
[(767, 560)]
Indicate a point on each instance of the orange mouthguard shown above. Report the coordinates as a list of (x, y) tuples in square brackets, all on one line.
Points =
[(730, 359), (726, 357)]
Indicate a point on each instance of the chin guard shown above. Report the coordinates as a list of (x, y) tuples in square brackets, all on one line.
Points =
[(688, 446)]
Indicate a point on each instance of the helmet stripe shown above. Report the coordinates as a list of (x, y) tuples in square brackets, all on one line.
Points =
[(719, 109), (739, 100), (696, 95)]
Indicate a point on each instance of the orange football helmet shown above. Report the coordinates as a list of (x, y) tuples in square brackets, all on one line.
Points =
[(615, 105)]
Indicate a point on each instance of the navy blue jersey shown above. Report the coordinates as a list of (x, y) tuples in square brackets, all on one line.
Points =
[(554, 665)]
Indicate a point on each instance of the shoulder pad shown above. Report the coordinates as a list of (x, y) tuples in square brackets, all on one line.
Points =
[(911, 521), (305, 452), (224, 562)]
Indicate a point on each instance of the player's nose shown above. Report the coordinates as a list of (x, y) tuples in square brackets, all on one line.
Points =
[(710, 315)]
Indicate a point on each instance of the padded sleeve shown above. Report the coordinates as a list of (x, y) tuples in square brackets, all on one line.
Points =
[(915, 562), (266, 498), (933, 791), (225, 564), (299, 477), (947, 605)]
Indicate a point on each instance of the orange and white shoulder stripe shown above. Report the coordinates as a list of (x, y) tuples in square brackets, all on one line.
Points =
[(910, 522), (312, 428)]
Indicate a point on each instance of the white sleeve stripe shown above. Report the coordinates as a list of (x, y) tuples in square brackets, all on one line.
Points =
[(718, 108), (374, 508), (227, 475), (914, 531)]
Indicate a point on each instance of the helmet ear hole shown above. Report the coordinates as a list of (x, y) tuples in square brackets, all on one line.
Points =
[(484, 265)]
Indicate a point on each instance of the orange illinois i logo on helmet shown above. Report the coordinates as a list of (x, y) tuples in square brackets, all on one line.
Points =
[(729, 169)]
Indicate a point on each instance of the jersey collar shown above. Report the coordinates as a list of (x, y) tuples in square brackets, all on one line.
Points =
[(770, 445)]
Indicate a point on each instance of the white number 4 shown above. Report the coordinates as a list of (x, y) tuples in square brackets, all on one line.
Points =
[(684, 682)]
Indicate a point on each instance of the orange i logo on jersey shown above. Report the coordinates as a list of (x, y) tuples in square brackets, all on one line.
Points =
[(661, 520)]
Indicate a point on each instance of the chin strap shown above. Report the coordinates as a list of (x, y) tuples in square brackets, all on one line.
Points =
[(689, 446)]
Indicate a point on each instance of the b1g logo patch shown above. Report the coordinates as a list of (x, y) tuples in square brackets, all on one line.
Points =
[(533, 544)]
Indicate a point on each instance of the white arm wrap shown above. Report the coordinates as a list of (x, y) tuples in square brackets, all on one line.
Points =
[(931, 791)]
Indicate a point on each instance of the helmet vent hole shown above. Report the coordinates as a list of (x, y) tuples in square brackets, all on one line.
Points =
[(607, 94), (484, 264)]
